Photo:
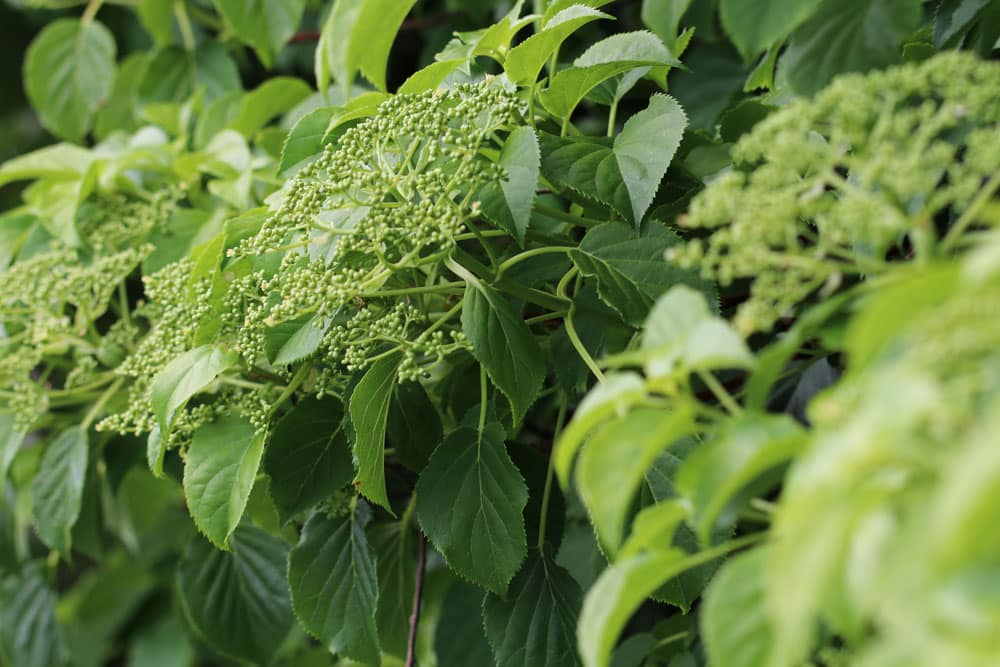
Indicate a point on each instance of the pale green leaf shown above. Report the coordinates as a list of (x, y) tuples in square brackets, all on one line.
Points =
[(734, 618), (635, 46), (430, 77), (58, 162), (525, 61), (614, 460), (569, 86), (29, 634), (10, 440), (305, 140), (470, 500), (504, 345), (237, 600), (263, 24), (664, 18), (184, 377), (332, 577), (755, 25), (535, 623), (220, 470), (509, 203), (369, 411), (307, 456), (174, 74), (654, 528), (68, 71), (288, 342), (268, 101), (714, 474), (57, 490)]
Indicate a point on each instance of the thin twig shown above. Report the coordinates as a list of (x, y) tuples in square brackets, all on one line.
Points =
[(418, 593)]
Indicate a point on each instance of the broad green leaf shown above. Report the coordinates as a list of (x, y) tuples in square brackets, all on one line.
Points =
[(470, 500), (58, 162), (288, 342), (535, 623), (504, 345), (237, 600), (174, 74), (157, 17), (414, 425), (754, 25), (68, 72), (307, 457), (509, 203), (10, 440), (369, 411), (568, 87), (664, 18), (186, 229), (734, 618), (848, 36), (616, 595), (221, 467), (264, 25), (362, 106), (459, 638), (268, 101), (395, 556), (430, 77), (613, 396), (358, 36), (714, 474), (682, 335), (635, 46), (525, 61), (332, 577), (629, 268), (626, 175), (29, 635), (184, 377), (654, 528), (305, 140), (57, 490), (614, 460)]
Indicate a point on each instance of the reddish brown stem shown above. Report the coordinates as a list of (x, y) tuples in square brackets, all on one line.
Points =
[(409, 25)]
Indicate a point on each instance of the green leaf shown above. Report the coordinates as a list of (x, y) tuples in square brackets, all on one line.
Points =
[(664, 18), (470, 500), (221, 467), (614, 460), (682, 335), (64, 162), (332, 577), (509, 203), (615, 596), (307, 457), (430, 77), (459, 638), (157, 17), (638, 46), (237, 600), (653, 528), (629, 268), (357, 36), (305, 140), (524, 62), (120, 112), (268, 101), (755, 25), (29, 635), (57, 490), (734, 620), (504, 345), (174, 74), (288, 342), (568, 88), (848, 36), (626, 175), (613, 396), (414, 425), (369, 410), (535, 623), (713, 475), (184, 377), (10, 441), (397, 566), (264, 25), (68, 71)]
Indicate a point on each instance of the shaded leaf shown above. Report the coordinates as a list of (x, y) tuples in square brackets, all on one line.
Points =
[(369, 409), (264, 25), (57, 490)]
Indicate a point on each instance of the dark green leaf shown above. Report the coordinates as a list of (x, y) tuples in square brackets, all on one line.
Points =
[(57, 490), (221, 467), (268, 101), (237, 600), (459, 638), (264, 25), (397, 566), (369, 411), (754, 25), (29, 636), (470, 500), (414, 425), (10, 441), (331, 574), (305, 139), (68, 72), (536, 622), (307, 457), (504, 345), (174, 74)]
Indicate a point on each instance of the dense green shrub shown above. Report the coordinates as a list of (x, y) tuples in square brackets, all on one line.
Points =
[(514, 363)]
